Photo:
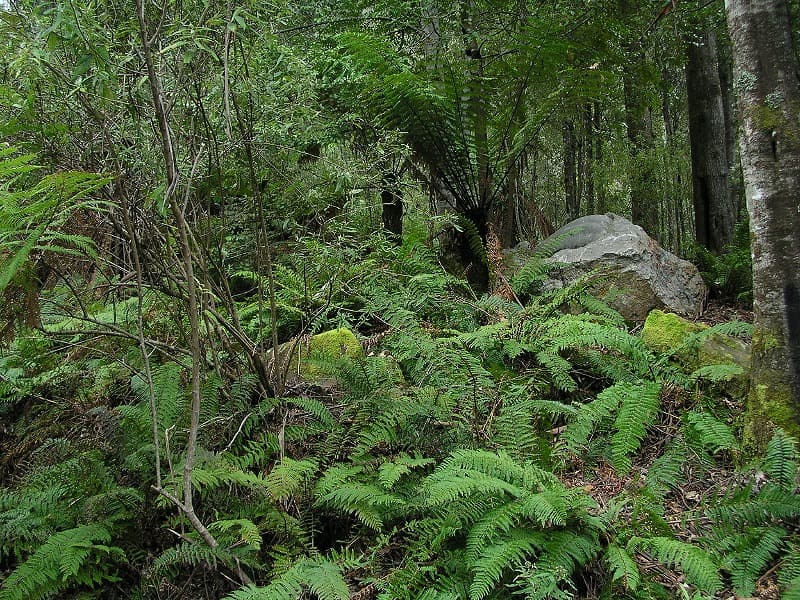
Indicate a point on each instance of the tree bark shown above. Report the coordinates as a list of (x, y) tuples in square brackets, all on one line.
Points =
[(588, 159), (571, 193), (392, 207), (714, 211), (768, 91)]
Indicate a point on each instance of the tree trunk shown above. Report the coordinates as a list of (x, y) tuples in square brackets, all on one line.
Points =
[(735, 183), (768, 91), (392, 207), (597, 134), (588, 159), (714, 211), (570, 176), (641, 174)]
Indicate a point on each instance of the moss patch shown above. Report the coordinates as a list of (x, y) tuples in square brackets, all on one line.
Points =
[(328, 344), (664, 332), (669, 333), (769, 406)]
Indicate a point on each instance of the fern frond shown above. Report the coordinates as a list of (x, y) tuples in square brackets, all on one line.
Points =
[(747, 508), (247, 531), (188, 554), (371, 504), (636, 414), (67, 558), (320, 576), (749, 554), (695, 562), (502, 556), (623, 567), (711, 432), (781, 460), (289, 476)]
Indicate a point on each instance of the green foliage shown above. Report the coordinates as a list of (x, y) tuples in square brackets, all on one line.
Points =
[(509, 513), (68, 558), (696, 564), (318, 575), (634, 408), (729, 276), (32, 215)]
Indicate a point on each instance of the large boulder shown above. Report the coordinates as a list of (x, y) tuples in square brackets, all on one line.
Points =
[(634, 274)]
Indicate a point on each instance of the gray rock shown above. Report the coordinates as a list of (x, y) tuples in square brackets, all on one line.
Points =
[(634, 274)]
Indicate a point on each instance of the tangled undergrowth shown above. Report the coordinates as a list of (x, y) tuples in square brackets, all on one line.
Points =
[(479, 448)]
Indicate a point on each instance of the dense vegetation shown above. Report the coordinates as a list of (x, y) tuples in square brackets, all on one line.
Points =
[(258, 339)]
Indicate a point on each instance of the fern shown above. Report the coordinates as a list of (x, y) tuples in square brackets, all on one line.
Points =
[(67, 559), (167, 389), (711, 432), (637, 412), (695, 563), (346, 489), (192, 554), (496, 559), (318, 575), (248, 532), (623, 567), (747, 555), (781, 460), (32, 217), (288, 477), (636, 406)]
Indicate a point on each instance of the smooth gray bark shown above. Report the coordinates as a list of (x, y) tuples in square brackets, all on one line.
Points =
[(768, 93), (714, 211)]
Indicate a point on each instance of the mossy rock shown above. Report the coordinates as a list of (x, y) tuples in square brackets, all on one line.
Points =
[(665, 332), (326, 345)]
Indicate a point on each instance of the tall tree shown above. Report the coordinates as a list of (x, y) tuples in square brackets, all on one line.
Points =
[(571, 189), (768, 90), (714, 210), (641, 139)]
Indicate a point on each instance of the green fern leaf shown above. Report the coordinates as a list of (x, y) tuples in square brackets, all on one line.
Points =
[(637, 412), (67, 558), (781, 460), (494, 560), (695, 563), (713, 433), (623, 567)]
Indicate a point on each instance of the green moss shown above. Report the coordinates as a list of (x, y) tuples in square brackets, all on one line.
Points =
[(663, 331), (669, 333), (765, 340), (328, 344), (770, 405)]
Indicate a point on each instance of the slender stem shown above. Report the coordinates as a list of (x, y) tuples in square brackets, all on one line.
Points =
[(170, 163)]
